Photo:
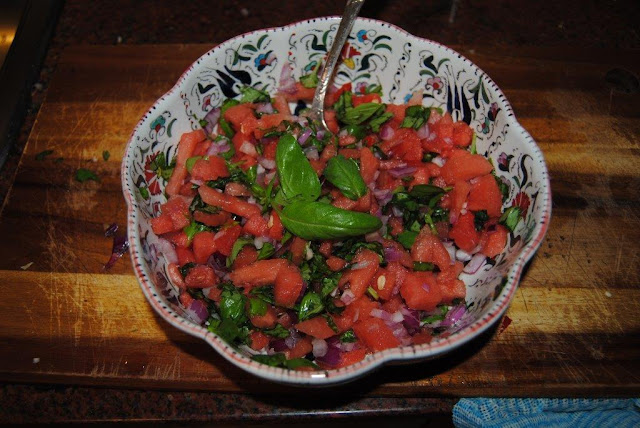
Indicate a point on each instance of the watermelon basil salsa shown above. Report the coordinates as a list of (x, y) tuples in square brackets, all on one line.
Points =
[(310, 249)]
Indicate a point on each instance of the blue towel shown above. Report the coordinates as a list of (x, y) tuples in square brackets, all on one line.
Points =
[(546, 412)]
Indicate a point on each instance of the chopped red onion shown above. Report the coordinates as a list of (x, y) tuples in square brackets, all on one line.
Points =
[(448, 140), (320, 134), (320, 348), (292, 340), (265, 108), (111, 230), (218, 147), (387, 132), (463, 256), (396, 211), (287, 83), (402, 172), (119, 247), (373, 237), (267, 163), (423, 131), (196, 182), (331, 358), (438, 161), (248, 149), (197, 311), (347, 297), (166, 248), (392, 254), (311, 153), (212, 120), (304, 136), (426, 287), (453, 316), (451, 249), (379, 313), (474, 264), (279, 345), (411, 319), (383, 196), (397, 317)]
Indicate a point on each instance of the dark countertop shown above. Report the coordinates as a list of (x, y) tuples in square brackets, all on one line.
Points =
[(585, 24)]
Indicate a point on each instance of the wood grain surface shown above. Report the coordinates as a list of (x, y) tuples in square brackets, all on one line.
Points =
[(574, 327)]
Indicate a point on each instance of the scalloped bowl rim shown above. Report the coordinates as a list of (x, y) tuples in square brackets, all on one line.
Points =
[(434, 349)]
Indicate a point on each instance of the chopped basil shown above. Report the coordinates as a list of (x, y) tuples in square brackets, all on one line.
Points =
[(184, 270), (237, 247), (264, 293), (331, 322), (277, 331), (310, 305), (192, 161), (266, 251), (280, 360), (232, 305), (373, 293), (407, 238), (194, 228), (436, 316), (42, 155), (415, 117), (480, 218), (423, 266), (257, 307), (345, 175), (348, 337), (197, 204), (83, 175), (253, 95), (510, 218)]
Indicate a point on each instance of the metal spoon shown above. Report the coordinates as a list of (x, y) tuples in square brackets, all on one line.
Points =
[(349, 16)]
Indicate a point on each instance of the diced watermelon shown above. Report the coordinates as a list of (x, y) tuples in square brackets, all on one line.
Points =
[(298, 250), (288, 286), (228, 203), (366, 263), (209, 169), (496, 241), (258, 340), (276, 229), (302, 347), (201, 276), (262, 272), (462, 165), (186, 146), (375, 334), (245, 257), (421, 291), (204, 246), (369, 165), (185, 256), (351, 357), (256, 226), (485, 195), (429, 248), (268, 320), (383, 283), (462, 134), (464, 232), (225, 239), (212, 219), (317, 327)]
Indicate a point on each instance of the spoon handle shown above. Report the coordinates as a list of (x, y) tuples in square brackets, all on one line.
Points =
[(346, 24)]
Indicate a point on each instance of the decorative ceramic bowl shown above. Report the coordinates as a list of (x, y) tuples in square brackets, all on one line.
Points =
[(377, 52)]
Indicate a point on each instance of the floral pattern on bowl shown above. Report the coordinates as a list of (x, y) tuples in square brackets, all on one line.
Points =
[(376, 53)]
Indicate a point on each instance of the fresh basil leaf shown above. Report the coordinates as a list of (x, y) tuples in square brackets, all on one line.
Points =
[(232, 306), (277, 331), (237, 247), (439, 215), (228, 330), (197, 204), (331, 307), (510, 218), (315, 220), (425, 191), (257, 307), (348, 337), (226, 127), (407, 238), (423, 266), (361, 113), (376, 123), (194, 228), (345, 175), (480, 218), (310, 305), (329, 283), (42, 155), (350, 247), (294, 363), (436, 316), (264, 293), (253, 95), (227, 104), (415, 117), (83, 175), (191, 162), (275, 360), (357, 131), (310, 80), (298, 180), (331, 322), (266, 251)]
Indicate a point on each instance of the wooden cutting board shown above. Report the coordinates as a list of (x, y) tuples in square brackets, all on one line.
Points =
[(573, 328)]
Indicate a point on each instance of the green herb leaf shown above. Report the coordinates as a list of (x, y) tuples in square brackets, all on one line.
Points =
[(253, 95), (194, 228), (275, 360), (348, 337), (294, 363), (376, 123), (83, 175), (266, 251), (42, 155), (228, 330), (361, 113), (425, 191), (510, 218), (257, 307), (436, 316), (415, 117), (227, 104), (232, 306), (277, 331), (226, 128), (373, 293), (423, 266), (315, 220), (480, 218), (184, 270), (329, 283), (197, 204), (331, 322), (106, 155), (310, 305), (407, 238), (265, 293), (237, 247), (311, 80), (191, 162), (298, 180), (350, 247), (345, 175)]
